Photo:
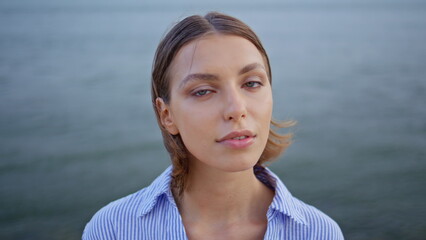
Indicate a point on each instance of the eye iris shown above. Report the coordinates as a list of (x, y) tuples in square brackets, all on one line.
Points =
[(250, 84), (201, 92)]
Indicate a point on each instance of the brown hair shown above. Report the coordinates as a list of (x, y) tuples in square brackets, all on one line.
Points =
[(185, 31)]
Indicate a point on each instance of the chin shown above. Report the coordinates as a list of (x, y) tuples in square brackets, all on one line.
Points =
[(239, 165)]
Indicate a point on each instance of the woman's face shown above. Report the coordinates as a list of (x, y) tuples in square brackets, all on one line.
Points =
[(221, 102)]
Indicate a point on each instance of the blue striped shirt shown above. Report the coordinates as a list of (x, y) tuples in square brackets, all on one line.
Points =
[(151, 213)]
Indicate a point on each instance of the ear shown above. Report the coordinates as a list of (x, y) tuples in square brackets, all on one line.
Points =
[(166, 117)]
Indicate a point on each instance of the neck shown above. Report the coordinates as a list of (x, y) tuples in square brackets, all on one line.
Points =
[(217, 196)]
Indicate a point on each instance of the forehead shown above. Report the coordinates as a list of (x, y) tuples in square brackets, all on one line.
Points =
[(214, 53)]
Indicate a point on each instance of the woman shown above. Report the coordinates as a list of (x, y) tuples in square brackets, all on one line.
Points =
[(211, 91)]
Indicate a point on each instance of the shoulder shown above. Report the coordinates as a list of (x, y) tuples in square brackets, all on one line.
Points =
[(304, 219), (120, 217), (104, 223), (319, 225)]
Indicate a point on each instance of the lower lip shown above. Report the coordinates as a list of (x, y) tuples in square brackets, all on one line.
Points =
[(238, 144)]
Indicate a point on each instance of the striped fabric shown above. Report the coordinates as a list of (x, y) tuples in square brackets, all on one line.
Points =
[(151, 213)]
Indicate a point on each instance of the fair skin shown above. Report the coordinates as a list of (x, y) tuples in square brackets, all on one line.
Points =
[(221, 105)]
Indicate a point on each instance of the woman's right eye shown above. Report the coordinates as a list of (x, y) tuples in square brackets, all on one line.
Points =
[(201, 93)]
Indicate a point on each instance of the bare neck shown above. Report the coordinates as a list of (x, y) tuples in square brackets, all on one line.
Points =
[(215, 196)]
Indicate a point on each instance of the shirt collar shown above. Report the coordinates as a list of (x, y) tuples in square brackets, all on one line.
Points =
[(282, 202), (150, 195)]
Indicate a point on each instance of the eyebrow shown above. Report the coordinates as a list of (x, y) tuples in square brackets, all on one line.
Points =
[(251, 67), (212, 77), (198, 76)]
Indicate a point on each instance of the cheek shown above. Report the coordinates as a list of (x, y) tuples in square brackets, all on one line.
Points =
[(262, 107), (267, 117), (268, 106), (195, 126), (262, 115)]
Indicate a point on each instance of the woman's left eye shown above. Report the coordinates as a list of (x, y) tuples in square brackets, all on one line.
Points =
[(252, 84), (201, 93)]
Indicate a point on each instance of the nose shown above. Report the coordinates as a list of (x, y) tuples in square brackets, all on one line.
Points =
[(235, 107)]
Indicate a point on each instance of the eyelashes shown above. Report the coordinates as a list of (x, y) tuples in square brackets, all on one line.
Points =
[(201, 92), (205, 91), (253, 84)]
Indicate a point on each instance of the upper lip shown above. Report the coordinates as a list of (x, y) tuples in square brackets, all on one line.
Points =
[(235, 134)]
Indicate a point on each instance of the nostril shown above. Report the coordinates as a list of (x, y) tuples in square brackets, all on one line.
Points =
[(241, 117)]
